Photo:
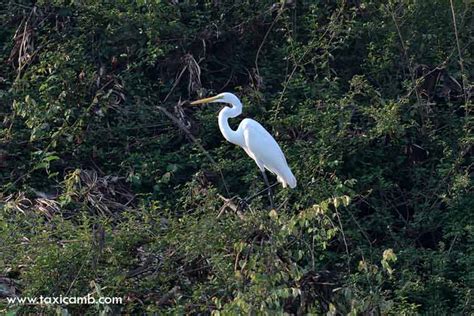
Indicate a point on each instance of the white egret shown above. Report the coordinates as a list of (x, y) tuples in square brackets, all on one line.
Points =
[(255, 140)]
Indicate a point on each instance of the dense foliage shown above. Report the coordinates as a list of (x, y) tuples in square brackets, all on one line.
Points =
[(111, 185)]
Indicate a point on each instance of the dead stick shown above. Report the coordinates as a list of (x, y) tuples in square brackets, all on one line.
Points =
[(194, 140)]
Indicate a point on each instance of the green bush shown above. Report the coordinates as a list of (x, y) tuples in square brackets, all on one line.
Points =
[(102, 193)]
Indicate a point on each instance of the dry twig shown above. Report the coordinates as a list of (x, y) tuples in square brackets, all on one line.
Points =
[(195, 141)]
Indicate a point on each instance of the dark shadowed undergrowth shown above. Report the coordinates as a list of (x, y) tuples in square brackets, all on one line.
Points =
[(111, 185)]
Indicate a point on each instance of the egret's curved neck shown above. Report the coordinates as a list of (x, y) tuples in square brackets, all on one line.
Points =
[(224, 115)]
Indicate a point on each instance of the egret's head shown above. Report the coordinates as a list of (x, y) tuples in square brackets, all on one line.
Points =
[(225, 97)]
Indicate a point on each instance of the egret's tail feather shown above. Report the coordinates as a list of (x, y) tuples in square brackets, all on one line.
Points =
[(287, 179)]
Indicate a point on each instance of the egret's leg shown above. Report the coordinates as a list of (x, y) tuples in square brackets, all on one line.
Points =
[(269, 188), (242, 204), (250, 198)]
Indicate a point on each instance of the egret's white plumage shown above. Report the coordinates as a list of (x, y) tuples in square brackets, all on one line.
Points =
[(253, 138)]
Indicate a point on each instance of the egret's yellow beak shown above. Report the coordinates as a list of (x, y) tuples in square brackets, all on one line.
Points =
[(206, 100)]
